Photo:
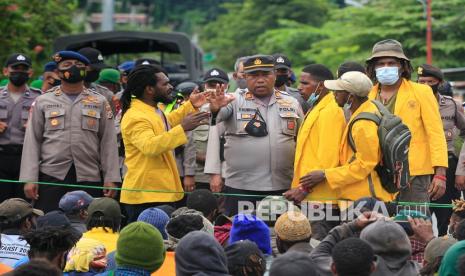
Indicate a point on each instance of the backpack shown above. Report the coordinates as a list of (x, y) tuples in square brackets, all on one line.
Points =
[(394, 139)]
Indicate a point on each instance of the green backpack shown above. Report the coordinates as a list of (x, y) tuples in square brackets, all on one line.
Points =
[(394, 139)]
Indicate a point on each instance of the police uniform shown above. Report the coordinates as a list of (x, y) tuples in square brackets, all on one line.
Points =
[(202, 133), (105, 92), (15, 115), (200, 136), (261, 165), (69, 141), (282, 62), (453, 121)]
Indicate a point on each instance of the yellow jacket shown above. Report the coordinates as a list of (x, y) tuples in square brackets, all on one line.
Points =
[(351, 178), (419, 110), (149, 153), (318, 144)]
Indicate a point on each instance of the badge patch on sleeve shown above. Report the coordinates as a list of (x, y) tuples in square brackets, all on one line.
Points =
[(108, 111), (291, 124)]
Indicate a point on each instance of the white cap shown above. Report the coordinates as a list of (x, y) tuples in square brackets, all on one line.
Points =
[(354, 82)]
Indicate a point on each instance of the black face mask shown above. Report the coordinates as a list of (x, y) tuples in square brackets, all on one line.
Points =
[(281, 80), (55, 82), (91, 76), (73, 74), (18, 78), (435, 87), (257, 126)]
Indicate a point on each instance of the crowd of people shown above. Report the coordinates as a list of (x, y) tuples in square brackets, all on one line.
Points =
[(122, 171)]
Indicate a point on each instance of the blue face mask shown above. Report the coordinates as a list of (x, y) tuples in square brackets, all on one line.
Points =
[(314, 97), (387, 75)]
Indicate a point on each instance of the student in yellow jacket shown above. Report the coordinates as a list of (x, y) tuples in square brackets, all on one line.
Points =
[(320, 135), (416, 105), (150, 138), (351, 178)]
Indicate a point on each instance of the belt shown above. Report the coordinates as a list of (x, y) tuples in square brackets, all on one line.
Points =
[(11, 149)]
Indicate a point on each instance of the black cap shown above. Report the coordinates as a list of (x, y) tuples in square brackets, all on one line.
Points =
[(427, 70), (17, 59), (281, 62), (146, 61), (94, 56), (216, 74), (53, 219), (259, 63)]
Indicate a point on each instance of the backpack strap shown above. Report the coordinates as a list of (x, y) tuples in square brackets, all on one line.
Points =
[(381, 108), (369, 117), (362, 116)]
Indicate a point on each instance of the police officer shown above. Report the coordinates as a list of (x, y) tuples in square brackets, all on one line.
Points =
[(453, 121), (16, 99), (261, 125), (211, 79), (50, 76), (70, 138), (93, 70), (283, 74)]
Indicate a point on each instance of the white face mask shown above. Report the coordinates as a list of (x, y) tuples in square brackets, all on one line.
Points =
[(387, 75)]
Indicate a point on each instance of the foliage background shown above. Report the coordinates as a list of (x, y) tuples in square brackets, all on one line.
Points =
[(308, 31)]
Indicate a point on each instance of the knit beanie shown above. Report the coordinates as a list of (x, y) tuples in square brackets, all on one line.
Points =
[(157, 218), (249, 227), (140, 245), (293, 226)]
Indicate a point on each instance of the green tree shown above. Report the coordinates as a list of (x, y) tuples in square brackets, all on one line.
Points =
[(240, 31), (351, 32), (30, 27)]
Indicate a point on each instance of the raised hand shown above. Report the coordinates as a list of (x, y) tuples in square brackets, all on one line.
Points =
[(219, 98)]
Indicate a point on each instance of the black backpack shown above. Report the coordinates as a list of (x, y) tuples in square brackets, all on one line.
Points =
[(394, 140)]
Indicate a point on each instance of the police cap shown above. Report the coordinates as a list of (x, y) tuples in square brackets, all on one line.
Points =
[(281, 62), (216, 74), (17, 59), (67, 55), (94, 56), (259, 63), (427, 70)]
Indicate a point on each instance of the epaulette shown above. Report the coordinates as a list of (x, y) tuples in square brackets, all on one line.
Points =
[(35, 90), (51, 90)]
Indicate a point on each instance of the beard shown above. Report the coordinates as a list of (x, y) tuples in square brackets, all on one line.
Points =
[(164, 99)]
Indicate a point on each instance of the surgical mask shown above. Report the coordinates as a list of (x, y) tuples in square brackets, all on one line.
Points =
[(18, 78), (387, 75), (241, 83), (281, 80), (91, 76), (73, 74), (313, 97)]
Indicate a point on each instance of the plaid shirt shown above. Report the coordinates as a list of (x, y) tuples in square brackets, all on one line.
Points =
[(418, 250)]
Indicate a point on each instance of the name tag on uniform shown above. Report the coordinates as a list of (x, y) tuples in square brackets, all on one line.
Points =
[(246, 116), (287, 109)]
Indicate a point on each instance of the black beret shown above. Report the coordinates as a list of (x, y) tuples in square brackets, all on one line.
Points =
[(427, 70)]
